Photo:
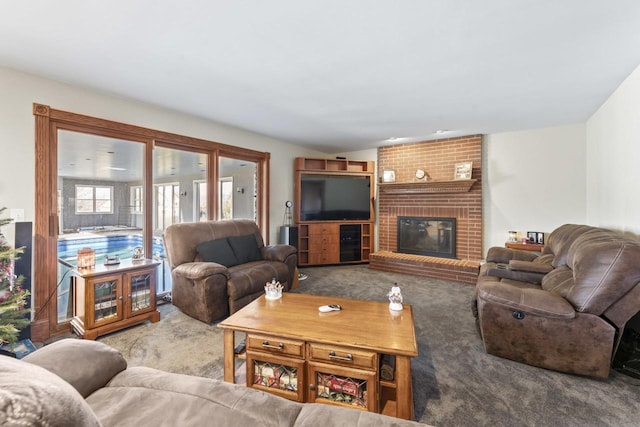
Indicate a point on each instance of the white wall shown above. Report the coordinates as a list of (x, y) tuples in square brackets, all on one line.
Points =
[(17, 140), (533, 181), (613, 160)]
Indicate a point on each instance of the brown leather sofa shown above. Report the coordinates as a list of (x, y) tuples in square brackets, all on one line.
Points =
[(564, 309), (218, 267)]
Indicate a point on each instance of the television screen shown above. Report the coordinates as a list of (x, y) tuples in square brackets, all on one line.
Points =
[(334, 197)]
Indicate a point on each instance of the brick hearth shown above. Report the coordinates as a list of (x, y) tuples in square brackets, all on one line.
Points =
[(437, 158), (456, 270)]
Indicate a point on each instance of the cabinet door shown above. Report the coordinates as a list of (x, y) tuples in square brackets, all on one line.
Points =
[(140, 288), (337, 385), (324, 243), (279, 375), (104, 301)]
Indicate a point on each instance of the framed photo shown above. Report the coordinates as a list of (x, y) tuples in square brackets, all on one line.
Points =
[(388, 176), (463, 170), (532, 236)]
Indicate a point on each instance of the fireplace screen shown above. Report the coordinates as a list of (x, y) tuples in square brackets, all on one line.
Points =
[(427, 236)]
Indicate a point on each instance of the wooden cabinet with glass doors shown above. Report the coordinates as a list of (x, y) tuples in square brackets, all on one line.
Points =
[(112, 297)]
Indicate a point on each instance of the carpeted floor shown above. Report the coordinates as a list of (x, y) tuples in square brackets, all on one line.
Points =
[(455, 382)]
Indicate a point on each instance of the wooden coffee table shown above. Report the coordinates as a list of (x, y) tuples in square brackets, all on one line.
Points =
[(297, 352)]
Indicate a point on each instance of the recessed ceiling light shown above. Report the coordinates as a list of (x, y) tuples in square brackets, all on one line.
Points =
[(393, 138), (441, 131)]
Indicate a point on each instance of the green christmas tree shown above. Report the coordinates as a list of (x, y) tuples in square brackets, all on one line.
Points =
[(13, 299)]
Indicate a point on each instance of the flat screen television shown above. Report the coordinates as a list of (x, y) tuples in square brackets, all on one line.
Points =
[(335, 197)]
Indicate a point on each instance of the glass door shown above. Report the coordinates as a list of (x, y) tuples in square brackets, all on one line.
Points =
[(237, 184), (100, 184), (179, 195)]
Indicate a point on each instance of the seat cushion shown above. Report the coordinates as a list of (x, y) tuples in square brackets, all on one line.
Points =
[(145, 396), (250, 278)]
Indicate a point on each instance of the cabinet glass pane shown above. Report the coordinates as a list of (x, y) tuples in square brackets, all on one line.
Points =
[(140, 292), (351, 391), (105, 300), (274, 375)]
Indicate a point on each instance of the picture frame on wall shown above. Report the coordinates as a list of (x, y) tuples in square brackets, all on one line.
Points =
[(388, 175), (463, 170)]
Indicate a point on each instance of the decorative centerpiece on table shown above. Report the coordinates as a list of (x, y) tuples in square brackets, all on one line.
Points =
[(273, 289), (395, 298), (13, 299)]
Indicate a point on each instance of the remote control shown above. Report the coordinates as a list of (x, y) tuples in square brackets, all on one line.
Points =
[(240, 347), (331, 307)]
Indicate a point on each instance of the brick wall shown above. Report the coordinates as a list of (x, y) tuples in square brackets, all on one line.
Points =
[(437, 158)]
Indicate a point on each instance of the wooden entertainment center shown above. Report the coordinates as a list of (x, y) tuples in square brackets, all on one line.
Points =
[(337, 240)]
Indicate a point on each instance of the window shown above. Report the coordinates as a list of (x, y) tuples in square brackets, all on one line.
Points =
[(136, 199), (94, 199), (226, 198), (200, 199), (167, 203)]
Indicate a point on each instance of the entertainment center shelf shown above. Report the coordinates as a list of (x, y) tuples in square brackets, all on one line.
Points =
[(333, 165), (334, 243), (334, 210)]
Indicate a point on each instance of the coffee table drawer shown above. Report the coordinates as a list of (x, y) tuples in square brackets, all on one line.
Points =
[(345, 356), (275, 345)]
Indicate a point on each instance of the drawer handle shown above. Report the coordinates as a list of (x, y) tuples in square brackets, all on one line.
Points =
[(266, 344), (348, 358)]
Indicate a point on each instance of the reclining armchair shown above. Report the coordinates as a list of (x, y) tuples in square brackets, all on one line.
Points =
[(218, 267), (571, 316)]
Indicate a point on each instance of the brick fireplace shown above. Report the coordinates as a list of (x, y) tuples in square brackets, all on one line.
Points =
[(437, 195)]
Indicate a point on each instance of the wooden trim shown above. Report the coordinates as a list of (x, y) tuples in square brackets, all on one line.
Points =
[(40, 325), (429, 187), (47, 122)]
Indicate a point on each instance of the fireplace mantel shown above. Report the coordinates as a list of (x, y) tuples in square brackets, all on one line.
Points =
[(428, 187)]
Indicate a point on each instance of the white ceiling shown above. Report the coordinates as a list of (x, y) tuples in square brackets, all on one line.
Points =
[(338, 75)]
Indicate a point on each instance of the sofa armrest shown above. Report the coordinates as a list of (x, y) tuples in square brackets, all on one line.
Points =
[(504, 271), (504, 255), (277, 252), (86, 365), (198, 270), (527, 300), (529, 266)]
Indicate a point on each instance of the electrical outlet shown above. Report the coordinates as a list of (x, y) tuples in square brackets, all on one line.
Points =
[(16, 214)]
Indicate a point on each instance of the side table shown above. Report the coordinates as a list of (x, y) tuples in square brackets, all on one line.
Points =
[(113, 297), (533, 247)]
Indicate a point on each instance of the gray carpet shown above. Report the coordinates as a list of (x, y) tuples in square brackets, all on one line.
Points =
[(455, 382)]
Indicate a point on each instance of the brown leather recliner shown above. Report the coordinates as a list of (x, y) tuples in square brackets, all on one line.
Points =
[(573, 319), (216, 270)]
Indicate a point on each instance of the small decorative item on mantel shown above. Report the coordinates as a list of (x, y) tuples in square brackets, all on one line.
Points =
[(395, 298), (273, 290)]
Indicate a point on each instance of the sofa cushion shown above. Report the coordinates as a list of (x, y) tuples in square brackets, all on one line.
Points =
[(32, 396), (245, 248), (219, 251)]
